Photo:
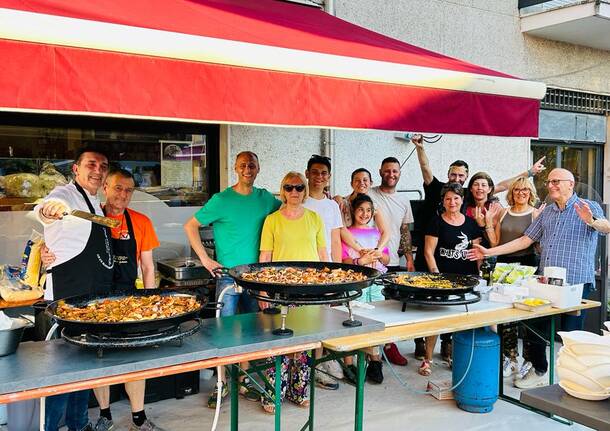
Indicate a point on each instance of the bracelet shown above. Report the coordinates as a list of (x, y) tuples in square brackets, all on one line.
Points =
[(530, 173), (489, 228), (356, 261)]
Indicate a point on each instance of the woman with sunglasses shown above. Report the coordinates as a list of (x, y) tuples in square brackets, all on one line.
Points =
[(514, 220), (292, 233), (361, 183)]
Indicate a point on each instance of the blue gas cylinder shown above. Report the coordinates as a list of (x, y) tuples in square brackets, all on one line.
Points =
[(479, 390)]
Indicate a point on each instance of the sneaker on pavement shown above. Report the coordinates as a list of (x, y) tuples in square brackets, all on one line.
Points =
[(333, 368), (374, 373), (393, 355), (148, 425), (103, 424), (350, 373), (532, 380), (510, 367), (325, 381), (527, 365), (214, 395), (420, 349)]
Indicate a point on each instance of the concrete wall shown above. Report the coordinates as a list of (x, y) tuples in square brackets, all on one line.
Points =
[(485, 32)]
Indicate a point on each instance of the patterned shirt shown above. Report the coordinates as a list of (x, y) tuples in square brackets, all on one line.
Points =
[(566, 240)]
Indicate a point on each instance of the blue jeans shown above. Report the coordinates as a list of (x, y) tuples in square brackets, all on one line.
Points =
[(232, 300), (577, 323), (74, 404)]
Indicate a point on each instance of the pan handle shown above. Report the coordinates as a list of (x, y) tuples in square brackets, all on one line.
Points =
[(382, 280), (213, 306), (221, 270)]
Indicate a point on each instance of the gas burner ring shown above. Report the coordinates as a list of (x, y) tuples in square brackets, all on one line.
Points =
[(431, 299), (116, 341)]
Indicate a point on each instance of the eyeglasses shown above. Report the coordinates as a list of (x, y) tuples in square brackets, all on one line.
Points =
[(289, 187), (526, 190), (553, 182)]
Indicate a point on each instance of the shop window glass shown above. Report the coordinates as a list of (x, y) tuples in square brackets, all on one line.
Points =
[(172, 167)]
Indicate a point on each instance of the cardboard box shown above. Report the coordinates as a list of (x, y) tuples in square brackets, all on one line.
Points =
[(560, 296)]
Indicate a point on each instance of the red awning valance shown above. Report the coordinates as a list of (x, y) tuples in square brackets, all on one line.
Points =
[(238, 61)]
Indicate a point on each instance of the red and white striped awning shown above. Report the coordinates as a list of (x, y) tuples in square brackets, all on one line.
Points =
[(261, 62)]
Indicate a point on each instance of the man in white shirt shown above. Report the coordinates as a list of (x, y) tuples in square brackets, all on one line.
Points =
[(84, 261), (396, 208), (318, 174)]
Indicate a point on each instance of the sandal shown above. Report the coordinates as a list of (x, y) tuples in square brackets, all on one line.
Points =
[(303, 404), (248, 391), (268, 408), (425, 369)]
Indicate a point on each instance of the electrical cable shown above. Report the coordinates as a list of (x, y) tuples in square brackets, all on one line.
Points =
[(415, 391), (41, 419), (219, 369), (432, 139)]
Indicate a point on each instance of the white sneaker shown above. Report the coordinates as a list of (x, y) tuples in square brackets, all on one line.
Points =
[(326, 382), (532, 380), (527, 365), (510, 367), (333, 368)]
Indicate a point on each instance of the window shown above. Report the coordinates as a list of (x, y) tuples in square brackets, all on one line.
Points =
[(172, 162)]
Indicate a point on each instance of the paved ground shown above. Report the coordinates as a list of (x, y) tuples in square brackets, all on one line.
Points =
[(387, 407)]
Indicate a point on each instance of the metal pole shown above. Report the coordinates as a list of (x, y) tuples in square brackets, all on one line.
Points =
[(552, 352), (312, 389), (360, 391), (278, 392), (234, 375)]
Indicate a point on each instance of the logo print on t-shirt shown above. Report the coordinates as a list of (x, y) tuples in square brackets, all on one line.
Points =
[(460, 250)]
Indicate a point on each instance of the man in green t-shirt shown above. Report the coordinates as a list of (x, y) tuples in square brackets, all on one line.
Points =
[(236, 215)]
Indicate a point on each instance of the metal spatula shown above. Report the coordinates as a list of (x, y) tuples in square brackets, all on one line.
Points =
[(104, 221)]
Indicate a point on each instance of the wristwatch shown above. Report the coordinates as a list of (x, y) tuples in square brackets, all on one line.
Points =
[(593, 220)]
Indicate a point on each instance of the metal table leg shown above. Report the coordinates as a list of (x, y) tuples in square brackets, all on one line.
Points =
[(278, 392), (360, 391), (552, 352), (234, 376), (551, 371), (312, 391)]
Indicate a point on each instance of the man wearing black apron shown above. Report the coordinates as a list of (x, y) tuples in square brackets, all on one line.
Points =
[(132, 242), (84, 262)]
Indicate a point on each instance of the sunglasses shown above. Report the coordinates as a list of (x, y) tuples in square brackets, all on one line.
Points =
[(289, 187), (317, 156)]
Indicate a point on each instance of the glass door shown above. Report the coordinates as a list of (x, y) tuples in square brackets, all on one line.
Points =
[(584, 161)]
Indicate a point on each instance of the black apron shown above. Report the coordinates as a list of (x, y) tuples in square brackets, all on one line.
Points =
[(90, 272), (125, 257)]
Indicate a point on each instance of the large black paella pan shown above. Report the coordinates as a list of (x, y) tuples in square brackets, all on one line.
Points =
[(304, 283)]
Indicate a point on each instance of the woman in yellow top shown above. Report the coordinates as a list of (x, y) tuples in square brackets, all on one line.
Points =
[(292, 233)]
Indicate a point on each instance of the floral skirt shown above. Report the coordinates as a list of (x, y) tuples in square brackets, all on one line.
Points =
[(295, 376)]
